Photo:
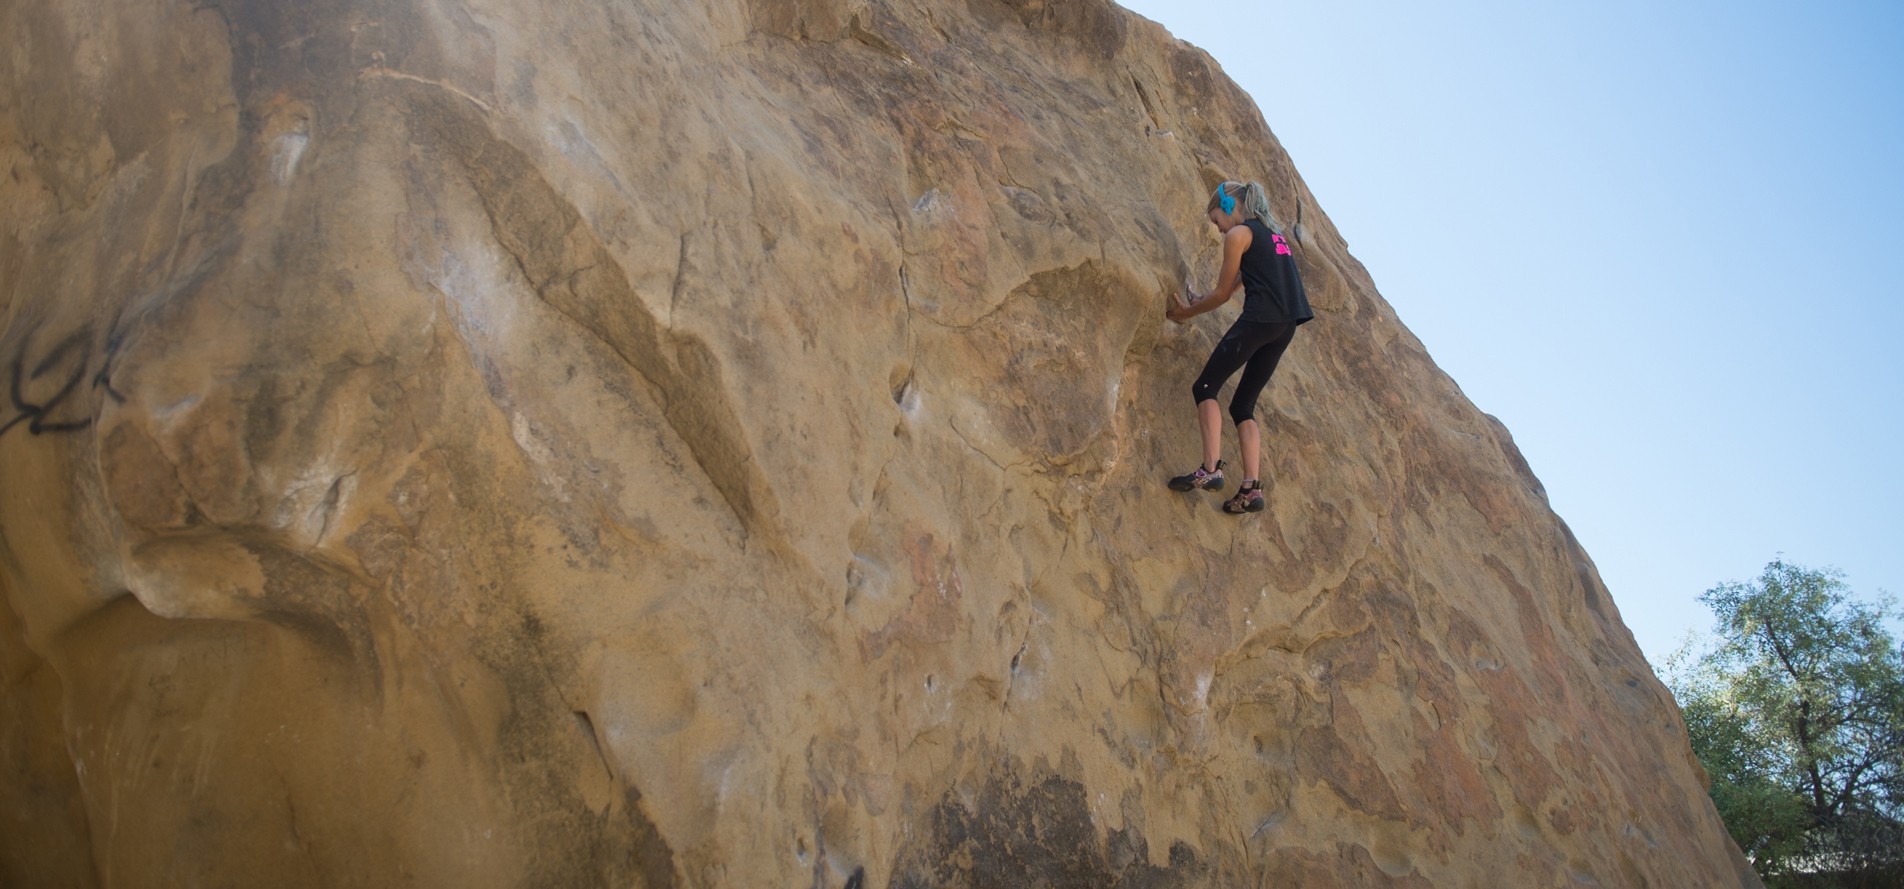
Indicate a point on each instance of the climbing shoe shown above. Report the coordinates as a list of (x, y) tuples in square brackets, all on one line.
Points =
[(1201, 480), (1249, 498)]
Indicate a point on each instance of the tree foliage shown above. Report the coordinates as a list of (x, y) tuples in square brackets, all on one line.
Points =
[(1797, 713)]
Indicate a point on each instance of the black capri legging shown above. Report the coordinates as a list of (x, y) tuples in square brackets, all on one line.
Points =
[(1259, 344)]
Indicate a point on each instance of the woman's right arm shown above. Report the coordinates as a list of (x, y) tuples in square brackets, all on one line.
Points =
[(1235, 241)]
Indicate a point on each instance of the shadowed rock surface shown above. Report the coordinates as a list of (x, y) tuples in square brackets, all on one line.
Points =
[(721, 444)]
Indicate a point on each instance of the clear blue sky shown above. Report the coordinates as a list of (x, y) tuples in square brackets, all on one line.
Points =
[(1662, 242)]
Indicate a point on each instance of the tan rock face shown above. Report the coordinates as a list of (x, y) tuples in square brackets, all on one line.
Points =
[(721, 444)]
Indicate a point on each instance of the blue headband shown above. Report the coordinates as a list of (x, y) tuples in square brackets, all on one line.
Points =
[(1224, 200)]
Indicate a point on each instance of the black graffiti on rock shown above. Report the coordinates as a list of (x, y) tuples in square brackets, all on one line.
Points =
[(42, 382)]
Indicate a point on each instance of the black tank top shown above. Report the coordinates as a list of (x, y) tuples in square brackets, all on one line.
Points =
[(1272, 289)]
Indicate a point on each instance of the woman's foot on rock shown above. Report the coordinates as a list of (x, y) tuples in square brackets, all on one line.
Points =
[(1249, 498), (1201, 480)]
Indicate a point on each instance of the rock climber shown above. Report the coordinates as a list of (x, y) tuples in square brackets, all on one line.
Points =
[(1257, 257)]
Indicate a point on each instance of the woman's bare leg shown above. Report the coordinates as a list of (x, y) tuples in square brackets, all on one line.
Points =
[(1210, 420), (1252, 443)]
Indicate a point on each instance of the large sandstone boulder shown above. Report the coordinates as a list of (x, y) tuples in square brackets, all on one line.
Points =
[(486, 443)]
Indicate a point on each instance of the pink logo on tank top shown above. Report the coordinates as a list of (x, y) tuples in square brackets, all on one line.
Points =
[(1282, 247)]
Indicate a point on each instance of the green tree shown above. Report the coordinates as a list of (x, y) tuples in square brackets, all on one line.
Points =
[(1796, 710)]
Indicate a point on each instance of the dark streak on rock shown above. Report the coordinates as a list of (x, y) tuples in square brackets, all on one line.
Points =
[(1037, 834)]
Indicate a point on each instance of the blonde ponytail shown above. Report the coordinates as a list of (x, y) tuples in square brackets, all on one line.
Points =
[(1256, 205)]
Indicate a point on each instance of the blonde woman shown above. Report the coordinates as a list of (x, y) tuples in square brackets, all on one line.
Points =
[(1256, 258)]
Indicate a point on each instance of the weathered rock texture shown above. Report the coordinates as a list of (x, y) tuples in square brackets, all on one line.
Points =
[(488, 443)]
